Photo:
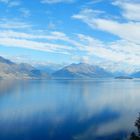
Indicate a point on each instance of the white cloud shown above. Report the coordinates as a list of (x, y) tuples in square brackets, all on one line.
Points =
[(14, 3), (35, 45), (36, 40), (119, 51), (56, 1), (30, 36), (129, 31), (13, 24), (25, 12), (11, 3), (51, 25), (4, 1), (130, 9), (84, 59)]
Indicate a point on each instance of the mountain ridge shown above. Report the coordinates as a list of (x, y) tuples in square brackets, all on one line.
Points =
[(9, 69), (81, 70), (136, 74)]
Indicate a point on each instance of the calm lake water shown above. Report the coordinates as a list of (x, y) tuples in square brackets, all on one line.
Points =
[(100, 109)]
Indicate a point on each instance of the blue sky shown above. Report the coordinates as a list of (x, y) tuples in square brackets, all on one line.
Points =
[(101, 32)]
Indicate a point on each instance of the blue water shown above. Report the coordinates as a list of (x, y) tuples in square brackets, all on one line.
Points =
[(100, 109)]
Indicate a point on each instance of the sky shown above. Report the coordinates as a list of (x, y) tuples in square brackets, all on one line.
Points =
[(101, 32)]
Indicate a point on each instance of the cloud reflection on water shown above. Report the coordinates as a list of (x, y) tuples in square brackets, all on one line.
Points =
[(100, 107)]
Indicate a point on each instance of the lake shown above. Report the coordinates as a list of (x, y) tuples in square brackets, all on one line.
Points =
[(99, 109)]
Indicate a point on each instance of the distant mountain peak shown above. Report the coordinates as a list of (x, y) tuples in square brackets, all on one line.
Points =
[(8, 69), (3, 60), (136, 74), (81, 70)]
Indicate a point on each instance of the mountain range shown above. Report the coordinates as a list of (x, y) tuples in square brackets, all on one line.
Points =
[(9, 69), (136, 75), (81, 70), (49, 67)]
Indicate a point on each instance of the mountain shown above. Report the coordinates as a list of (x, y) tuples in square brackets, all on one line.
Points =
[(9, 69), (136, 74), (6, 61), (81, 70), (123, 77), (48, 68), (120, 73)]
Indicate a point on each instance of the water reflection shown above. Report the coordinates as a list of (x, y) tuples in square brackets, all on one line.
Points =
[(68, 109)]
